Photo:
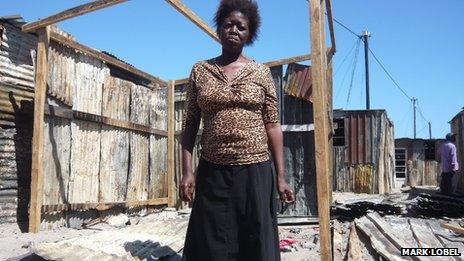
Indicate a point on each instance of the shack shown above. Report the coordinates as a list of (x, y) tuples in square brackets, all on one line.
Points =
[(417, 162), (457, 127), (103, 120), (363, 151)]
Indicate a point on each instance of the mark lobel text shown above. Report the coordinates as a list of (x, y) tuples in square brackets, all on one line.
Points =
[(430, 252)]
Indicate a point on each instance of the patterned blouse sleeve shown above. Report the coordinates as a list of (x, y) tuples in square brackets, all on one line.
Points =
[(270, 111), (192, 114)]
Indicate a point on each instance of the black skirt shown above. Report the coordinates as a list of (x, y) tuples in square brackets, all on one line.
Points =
[(233, 214)]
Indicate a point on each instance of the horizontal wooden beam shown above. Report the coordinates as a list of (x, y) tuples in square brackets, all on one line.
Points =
[(78, 115), (294, 59), (103, 206), (67, 41), (70, 13), (454, 228), (183, 9)]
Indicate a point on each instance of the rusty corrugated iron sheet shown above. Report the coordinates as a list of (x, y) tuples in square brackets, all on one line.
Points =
[(359, 127), (298, 81)]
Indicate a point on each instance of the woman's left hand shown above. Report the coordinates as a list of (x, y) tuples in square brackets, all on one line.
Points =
[(285, 192)]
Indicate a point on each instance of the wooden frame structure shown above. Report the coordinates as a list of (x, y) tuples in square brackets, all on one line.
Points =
[(322, 77)]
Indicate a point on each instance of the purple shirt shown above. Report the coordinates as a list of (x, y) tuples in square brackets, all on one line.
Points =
[(449, 161)]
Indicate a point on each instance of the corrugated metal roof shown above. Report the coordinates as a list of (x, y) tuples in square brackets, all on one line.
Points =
[(298, 81)]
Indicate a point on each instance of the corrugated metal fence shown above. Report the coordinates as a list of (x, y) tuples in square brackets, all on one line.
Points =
[(105, 137)]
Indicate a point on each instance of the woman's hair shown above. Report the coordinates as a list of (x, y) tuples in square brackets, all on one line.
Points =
[(249, 8)]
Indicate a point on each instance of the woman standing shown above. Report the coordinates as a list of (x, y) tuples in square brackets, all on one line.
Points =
[(233, 215)]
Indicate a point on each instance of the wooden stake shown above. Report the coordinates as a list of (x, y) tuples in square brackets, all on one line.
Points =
[(321, 121), (171, 136), (37, 178), (70, 13)]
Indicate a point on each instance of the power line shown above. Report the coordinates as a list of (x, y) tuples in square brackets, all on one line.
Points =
[(421, 114), (346, 27), (355, 63), (389, 75)]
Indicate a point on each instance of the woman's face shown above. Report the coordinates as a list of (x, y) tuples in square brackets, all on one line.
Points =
[(234, 31)]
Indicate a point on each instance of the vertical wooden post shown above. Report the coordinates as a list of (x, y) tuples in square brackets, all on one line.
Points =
[(37, 178), (171, 122), (321, 123)]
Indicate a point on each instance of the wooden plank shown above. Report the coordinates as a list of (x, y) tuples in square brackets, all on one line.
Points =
[(114, 154), (103, 205), (321, 132), (454, 228), (183, 9), (339, 248), (79, 115), (37, 177), (70, 13), (354, 249), (67, 41), (333, 48), (294, 59), (171, 150)]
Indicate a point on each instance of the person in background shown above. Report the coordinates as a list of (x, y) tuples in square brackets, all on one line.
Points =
[(233, 214), (449, 164)]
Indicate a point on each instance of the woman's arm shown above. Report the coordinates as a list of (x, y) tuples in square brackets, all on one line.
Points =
[(187, 185), (275, 140), (189, 133)]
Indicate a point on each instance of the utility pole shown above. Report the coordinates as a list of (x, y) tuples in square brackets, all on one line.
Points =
[(414, 100), (366, 36), (430, 130)]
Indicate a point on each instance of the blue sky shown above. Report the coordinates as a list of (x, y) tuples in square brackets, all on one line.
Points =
[(419, 41)]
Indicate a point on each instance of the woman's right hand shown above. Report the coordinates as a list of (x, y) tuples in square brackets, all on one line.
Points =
[(187, 187)]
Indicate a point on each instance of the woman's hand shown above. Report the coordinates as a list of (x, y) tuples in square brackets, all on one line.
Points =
[(187, 187), (285, 192)]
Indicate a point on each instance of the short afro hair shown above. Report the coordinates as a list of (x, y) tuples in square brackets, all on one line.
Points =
[(247, 7)]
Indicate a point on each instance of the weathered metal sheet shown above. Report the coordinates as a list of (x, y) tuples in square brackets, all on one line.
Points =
[(16, 62), (298, 83), (62, 72), (56, 160), (300, 173), (114, 155), (137, 187), (158, 145), (85, 148)]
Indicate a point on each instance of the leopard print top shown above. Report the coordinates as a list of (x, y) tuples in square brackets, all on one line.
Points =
[(234, 112)]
